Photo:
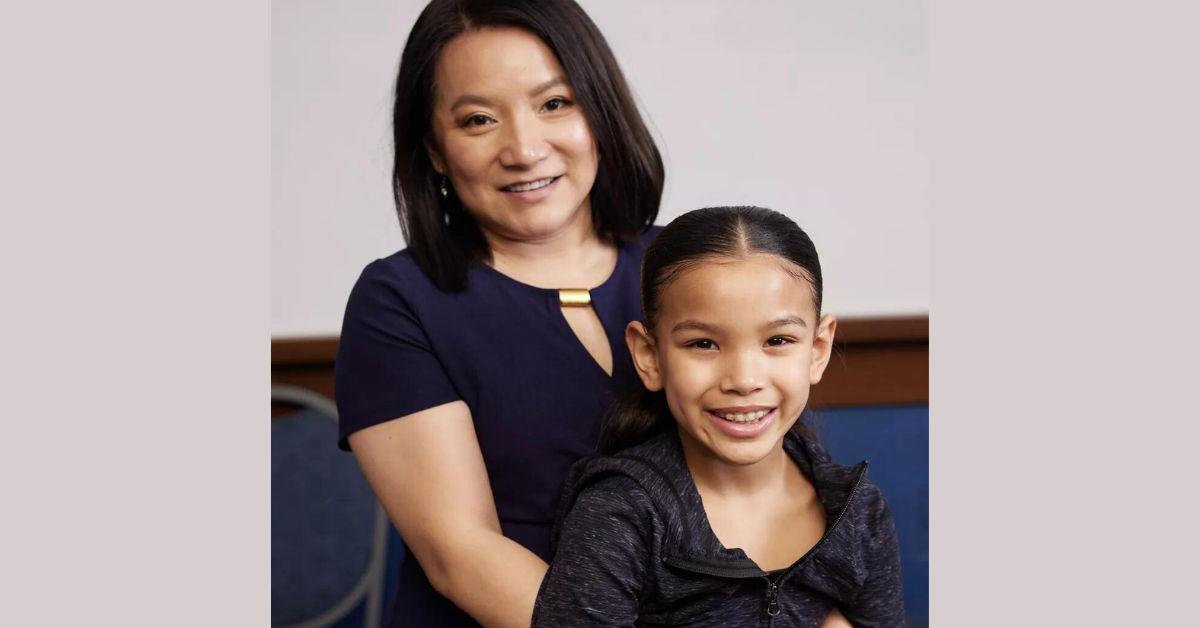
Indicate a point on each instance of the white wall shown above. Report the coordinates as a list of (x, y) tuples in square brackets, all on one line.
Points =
[(816, 109)]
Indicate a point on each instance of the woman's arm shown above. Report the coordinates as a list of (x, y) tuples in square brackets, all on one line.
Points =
[(428, 472), (835, 619)]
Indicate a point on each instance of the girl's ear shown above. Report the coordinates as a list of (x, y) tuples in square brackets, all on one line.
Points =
[(822, 348), (645, 355)]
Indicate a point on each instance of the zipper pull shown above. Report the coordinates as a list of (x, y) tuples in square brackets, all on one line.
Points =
[(772, 599)]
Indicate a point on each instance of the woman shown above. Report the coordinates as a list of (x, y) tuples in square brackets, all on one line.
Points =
[(467, 384)]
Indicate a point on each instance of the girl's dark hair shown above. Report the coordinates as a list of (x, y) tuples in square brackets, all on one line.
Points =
[(691, 239), (442, 237)]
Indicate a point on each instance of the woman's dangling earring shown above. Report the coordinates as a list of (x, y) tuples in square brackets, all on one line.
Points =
[(443, 189)]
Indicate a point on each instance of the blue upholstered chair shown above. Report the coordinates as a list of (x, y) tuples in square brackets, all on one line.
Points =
[(896, 441), (328, 533)]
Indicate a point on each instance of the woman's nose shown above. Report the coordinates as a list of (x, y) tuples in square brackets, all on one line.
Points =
[(524, 144), (743, 375)]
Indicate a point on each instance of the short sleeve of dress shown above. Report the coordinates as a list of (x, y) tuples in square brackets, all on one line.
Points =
[(386, 367)]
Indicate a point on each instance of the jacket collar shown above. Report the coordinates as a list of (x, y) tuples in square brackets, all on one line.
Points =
[(834, 565)]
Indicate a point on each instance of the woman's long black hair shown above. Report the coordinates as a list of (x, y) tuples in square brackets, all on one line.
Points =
[(441, 235), (691, 239)]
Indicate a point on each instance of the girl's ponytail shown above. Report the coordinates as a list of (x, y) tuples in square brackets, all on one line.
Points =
[(635, 417)]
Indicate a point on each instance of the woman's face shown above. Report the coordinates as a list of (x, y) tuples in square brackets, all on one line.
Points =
[(509, 136), (737, 346)]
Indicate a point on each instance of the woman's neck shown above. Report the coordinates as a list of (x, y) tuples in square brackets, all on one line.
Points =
[(573, 257)]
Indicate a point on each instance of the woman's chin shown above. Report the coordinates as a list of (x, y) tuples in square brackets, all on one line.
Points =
[(541, 223)]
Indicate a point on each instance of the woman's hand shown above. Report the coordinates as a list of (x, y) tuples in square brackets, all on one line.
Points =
[(835, 619), (428, 472)]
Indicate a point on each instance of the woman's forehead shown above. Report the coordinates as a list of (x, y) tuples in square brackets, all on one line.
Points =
[(495, 61)]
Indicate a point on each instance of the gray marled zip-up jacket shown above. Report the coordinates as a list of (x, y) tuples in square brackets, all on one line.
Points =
[(634, 547)]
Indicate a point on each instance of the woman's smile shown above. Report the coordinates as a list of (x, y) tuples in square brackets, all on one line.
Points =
[(532, 191)]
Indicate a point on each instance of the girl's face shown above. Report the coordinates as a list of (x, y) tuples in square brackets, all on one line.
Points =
[(736, 347), (509, 136)]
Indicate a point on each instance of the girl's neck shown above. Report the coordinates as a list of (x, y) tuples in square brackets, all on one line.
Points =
[(573, 257), (717, 477)]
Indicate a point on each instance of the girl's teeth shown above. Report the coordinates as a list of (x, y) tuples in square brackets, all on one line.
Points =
[(532, 185), (747, 417)]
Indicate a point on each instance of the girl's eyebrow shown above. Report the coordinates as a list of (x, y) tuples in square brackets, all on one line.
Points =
[(693, 325), (784, 322)]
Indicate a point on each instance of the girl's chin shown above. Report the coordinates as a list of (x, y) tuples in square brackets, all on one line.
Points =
[(737, 452), (743, 454)]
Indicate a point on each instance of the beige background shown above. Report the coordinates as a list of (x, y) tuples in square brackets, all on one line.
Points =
[(817, 109), (134, 242)]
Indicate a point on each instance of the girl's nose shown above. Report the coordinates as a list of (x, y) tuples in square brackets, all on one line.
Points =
[(743, 376), (524, 145)]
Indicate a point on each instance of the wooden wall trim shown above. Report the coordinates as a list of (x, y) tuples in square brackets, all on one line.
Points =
[(851, 331), (292, 351), (877, 361), (908, 329)]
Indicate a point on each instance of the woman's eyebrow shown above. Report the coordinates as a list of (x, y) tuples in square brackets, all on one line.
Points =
[(473, 99), (554, 82)]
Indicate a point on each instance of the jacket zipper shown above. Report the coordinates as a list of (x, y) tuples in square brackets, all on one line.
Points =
[(772, 600), (849, 499), (772, 587)]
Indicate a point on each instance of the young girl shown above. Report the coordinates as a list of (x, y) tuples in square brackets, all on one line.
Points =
[(720, 508)]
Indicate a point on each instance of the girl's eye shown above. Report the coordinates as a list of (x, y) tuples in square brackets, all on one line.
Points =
[(779, 341), (556, 103), (702, 344), (476, 120)]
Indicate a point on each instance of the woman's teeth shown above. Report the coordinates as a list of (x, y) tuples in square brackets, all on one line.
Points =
[(743, 417), (532, 185)]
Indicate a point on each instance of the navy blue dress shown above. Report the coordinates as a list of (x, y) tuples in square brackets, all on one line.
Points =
[(504, 348)]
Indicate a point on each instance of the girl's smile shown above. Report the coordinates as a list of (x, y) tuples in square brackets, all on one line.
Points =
[(743, 422)]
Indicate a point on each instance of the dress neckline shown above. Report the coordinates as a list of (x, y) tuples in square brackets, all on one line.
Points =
[(621, 246)]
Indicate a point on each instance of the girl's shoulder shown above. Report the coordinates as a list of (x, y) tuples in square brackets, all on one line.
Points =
[(639, 480), (839, 485), (603, 492), (873, 509), (648, 467)]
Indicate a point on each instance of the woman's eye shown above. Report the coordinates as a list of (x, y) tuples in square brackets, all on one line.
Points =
[(476, 120), (554, 104), (703, 345), (779, 341)]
